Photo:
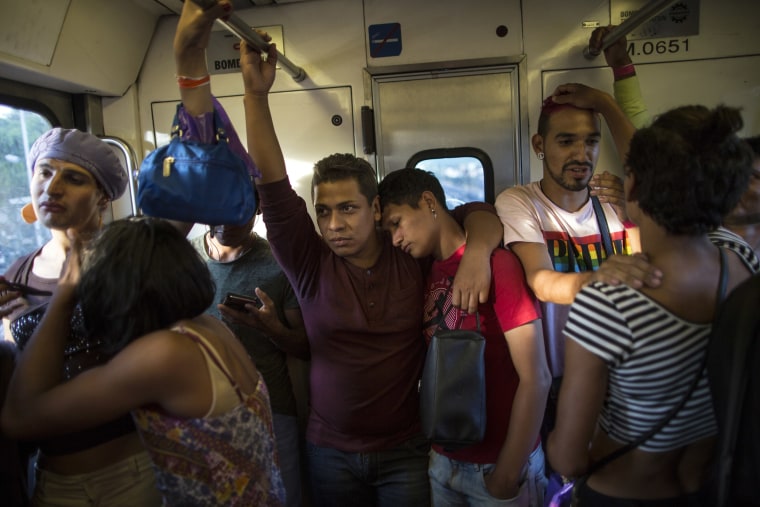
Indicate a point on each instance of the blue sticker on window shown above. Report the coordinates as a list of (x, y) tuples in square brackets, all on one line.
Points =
[(384, 40)]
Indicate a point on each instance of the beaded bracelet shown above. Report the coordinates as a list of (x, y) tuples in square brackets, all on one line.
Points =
[(193, 82)]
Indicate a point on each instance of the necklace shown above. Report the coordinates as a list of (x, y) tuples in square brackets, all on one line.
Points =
[(221, 253)]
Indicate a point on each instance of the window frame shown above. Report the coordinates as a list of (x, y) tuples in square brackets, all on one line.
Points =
[(461, 152)]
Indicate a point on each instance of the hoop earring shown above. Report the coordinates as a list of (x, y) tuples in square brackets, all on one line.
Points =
[(540, 155)]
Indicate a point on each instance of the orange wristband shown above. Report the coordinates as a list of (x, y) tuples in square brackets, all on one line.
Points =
[(193, 82)]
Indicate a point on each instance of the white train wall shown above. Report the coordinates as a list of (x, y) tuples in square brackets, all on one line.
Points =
[(534, 45)]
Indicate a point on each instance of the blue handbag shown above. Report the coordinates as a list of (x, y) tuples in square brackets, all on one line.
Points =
[(193, 182)]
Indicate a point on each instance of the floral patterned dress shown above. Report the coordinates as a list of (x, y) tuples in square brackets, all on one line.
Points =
[(226, 459)]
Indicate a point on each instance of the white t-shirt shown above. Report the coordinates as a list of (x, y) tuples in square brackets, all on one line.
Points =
[(529, 216)]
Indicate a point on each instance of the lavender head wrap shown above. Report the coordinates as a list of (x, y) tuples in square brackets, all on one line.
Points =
[(85, 150)]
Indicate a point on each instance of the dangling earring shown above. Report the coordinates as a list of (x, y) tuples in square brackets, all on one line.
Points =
[(435, 215), (540, 155)]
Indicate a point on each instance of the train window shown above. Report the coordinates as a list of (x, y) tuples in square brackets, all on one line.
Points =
[(466, 174), (18, 130)]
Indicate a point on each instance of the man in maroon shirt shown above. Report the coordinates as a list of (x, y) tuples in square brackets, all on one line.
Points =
[(361, 298)]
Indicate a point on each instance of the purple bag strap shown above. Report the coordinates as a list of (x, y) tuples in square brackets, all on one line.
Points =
[(204, 128)]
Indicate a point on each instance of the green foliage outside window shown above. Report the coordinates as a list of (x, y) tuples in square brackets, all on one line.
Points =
[(18, 130)]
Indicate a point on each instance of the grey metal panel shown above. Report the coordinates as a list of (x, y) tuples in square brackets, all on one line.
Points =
[(30, 29), (449, 109), (445, 30)]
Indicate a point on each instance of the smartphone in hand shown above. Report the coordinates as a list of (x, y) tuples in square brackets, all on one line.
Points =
[(238, 301)]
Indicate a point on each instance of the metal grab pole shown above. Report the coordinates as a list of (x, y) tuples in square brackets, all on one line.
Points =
[(638, 18), (238, 27)]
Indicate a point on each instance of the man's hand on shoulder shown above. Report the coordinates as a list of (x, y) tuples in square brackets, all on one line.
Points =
[(634, 270), (471, 284)]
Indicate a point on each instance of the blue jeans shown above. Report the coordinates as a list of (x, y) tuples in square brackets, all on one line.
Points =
[(457, 483), (394, 477), (289, 453)]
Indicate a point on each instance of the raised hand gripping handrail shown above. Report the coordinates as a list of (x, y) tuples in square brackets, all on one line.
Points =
[(638, 18), (240, 28)]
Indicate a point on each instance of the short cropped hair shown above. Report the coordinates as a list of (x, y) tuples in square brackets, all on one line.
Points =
[(405, 186), (690, 168), (344, 166), (139, 276)]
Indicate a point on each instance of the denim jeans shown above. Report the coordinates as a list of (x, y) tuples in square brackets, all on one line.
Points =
[(289, 454), (457, 483), (394, 477)]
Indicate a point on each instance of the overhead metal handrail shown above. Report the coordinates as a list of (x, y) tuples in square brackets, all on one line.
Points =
[(638, 18), (241, 29), (129, 159)]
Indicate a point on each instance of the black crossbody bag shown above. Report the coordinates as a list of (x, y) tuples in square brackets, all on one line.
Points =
[(453, 388)]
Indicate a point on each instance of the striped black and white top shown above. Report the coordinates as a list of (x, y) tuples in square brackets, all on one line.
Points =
[(652, 356), (722, 237)]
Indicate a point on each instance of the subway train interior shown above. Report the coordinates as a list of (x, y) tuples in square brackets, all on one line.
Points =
[(447, 85), (451, 86)]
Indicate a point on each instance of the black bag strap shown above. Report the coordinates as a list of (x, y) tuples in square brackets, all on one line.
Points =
[(721, 292), (604, 230), (604, 233)]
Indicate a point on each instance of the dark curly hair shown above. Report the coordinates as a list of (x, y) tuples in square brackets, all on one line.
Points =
[(141, 275), (345, 166), (690, 168), (405, 186)]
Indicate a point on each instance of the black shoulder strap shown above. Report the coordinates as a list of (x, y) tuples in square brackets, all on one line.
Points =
[(604, 230), (721, 292)]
